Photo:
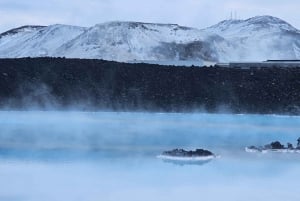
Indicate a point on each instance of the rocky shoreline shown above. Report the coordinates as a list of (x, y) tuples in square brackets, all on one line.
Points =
[(275, 147)]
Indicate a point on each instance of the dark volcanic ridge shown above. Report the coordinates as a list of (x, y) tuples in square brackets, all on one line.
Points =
[(83, 84)]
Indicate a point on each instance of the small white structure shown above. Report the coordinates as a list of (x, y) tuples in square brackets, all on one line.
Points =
[(264, 64), (187, 63)]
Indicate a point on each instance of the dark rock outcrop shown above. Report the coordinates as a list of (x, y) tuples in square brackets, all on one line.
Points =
[(184, 153), (275, 146), (290, 146), (298, 143)]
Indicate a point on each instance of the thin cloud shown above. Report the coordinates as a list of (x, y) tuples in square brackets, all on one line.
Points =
[(195, 13)]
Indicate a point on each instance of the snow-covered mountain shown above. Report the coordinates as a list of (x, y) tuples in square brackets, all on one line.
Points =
[(128, 41), (260, 38), (119, 41), (257, 38), (35, 41)]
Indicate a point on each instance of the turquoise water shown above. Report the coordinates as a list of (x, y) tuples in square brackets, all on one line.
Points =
[(112, 156)]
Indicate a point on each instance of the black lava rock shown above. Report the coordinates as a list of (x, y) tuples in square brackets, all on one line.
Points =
[(290, 146), (277, 145), (298, 144), (184, 153), (87, 84)]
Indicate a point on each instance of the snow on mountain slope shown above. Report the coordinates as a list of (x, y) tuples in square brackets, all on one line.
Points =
[(253, 26), (260, 38), (254, 39), (14, 32), (128, 41), (35, 42), (119, 41)]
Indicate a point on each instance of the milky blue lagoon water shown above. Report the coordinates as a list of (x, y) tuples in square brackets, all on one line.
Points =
[(107, 156)]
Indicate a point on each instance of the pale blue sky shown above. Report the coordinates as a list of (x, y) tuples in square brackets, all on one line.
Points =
[(196, 13)]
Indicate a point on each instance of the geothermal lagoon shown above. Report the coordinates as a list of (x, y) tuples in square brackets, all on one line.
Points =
[(112, 156)]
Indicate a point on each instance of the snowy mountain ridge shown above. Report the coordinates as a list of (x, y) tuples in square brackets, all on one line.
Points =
[(231, 28), (260, 38), (257, 38)]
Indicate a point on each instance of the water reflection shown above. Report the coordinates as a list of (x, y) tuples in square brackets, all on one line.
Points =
[(188, 162)]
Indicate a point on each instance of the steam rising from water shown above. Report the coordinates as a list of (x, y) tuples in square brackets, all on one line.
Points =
[(112, 156)]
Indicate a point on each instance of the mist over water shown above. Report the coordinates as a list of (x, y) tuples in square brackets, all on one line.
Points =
[(112, 156)]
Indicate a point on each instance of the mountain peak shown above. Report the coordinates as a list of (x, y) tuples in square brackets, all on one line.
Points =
[(266, 23), (142, 25), (266, 19), (136, 23), (258, 20), (26, 28)]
